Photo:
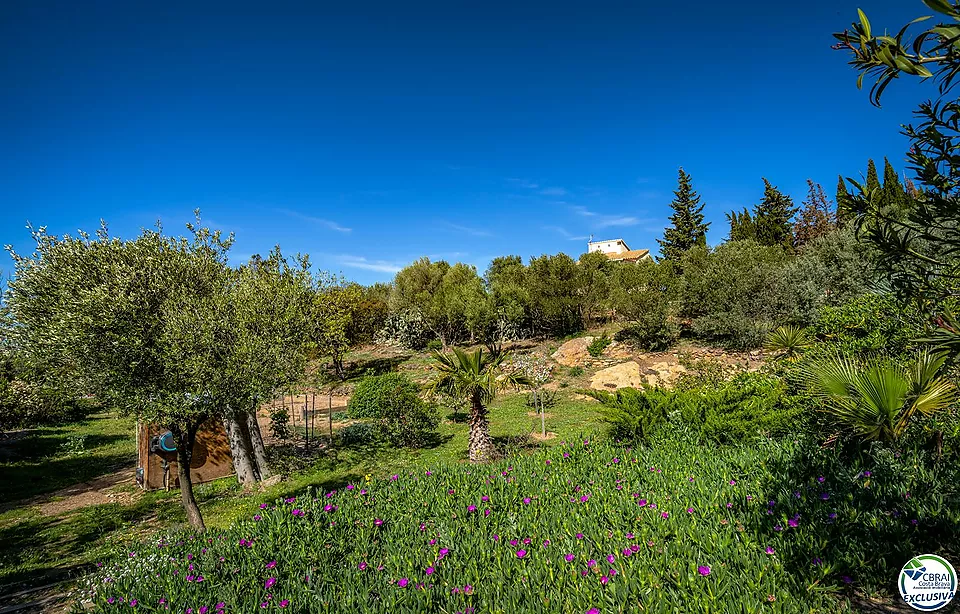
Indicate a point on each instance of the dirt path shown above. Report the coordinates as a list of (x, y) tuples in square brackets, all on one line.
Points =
[(104, 489)]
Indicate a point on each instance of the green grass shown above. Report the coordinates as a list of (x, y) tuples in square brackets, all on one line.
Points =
[(35, 548), (41, 465)]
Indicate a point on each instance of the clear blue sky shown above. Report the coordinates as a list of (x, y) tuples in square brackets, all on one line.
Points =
[(370, 134)]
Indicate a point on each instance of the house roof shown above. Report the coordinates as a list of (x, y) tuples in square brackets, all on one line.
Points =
[(633, 254)]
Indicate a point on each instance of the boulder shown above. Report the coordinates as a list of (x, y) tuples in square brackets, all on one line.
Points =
[(624, 375), (573, 353), (663, 374)]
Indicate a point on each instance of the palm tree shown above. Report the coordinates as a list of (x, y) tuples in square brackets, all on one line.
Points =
[(476, 377), (877, 399)]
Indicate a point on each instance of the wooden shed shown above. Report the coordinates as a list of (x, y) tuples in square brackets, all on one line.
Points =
[(211, 456)]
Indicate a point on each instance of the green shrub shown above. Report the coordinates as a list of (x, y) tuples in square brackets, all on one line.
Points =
[(869, 324), (434, 344), (392, 400), (598, 345), (652, 332), (576, 371), (748, 405), (376, 393), (361, 433)]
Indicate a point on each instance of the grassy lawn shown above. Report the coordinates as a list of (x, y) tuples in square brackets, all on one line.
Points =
[(37, 548)]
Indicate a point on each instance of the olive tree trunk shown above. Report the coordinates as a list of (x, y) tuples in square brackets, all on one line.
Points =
[(185, 441), (481, 446), (256, 443), (240, 451)]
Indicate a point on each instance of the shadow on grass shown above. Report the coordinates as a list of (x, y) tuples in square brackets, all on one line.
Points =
[(458, 417), (373, 366), (29, 480)]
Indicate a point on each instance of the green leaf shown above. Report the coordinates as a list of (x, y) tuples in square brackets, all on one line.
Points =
[(865, 23), (940, 6)]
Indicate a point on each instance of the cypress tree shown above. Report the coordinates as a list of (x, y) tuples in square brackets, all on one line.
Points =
[(842, 198), (772, 217), (687, 226), (873, 181), (742, 227), (894, 195)]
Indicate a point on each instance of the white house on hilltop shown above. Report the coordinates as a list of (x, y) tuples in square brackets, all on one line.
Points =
[(618, 251)]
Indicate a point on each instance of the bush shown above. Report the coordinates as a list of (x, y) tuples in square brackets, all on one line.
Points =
[(869, 324), (652, 332), (576, 371), (744, 407), (361, 433), (736, 294), (374, 395), (598, 345), (392, 400), (434, 345)]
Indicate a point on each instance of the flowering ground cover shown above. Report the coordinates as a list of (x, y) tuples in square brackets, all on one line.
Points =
[(579, 528)]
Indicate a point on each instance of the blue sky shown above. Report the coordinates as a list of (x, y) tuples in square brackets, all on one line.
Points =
[(370, 134)]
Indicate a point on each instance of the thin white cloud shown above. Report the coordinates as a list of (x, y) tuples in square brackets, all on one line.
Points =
[(554, 191), (473, 232), (566, 234), (315, 220), (359, 262), (524, 183), (599, 220)]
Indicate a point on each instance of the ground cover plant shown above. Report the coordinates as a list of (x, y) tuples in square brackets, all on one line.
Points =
[(581, 527)]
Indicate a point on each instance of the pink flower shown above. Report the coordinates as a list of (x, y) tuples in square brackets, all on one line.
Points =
[(270, 582), (770, 550), (689, 510), (611, 558), (664, 514), (604, 579), (642, 502), (703, 570), (362, 566), (271, 564), (569, 558), (284, 603), (593, 611), (430, 571), (402, 582), (521, 554)]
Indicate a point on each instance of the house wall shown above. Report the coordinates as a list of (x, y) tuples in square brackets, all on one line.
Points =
[(616, 246)]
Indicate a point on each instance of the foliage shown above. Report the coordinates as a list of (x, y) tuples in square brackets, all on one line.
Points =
[(593, 285), (554, 286), (644, 294), (598, 345), (373, 395), (407, 329), (868, 325), (735, 294), (916, 236), (741, 408), (280, 426), (788, 341), (476, 377), (771, 217), (358, 434), (509, 298), (434, 344), (743, 528), (878, 399), (687, 226), (575, 371), (335, 304), (816, 218)]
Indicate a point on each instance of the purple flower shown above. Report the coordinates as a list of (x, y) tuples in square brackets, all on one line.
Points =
[(821, 479), (611, 558), (402, 582), (664, 514), (443, 553), (604, 579), (526, 501), (271, 564), (471, 508), (689, 510), (825, 496), (270, 582), (593, 611), (429, 571), (729, 505), (591, 563), (793, 523), (521, 554), (394, 478), (579, 535), (867, 474), (569, 558), (484, 498), (703, 570), (732, 482), (770, 550), (777, 528), (629, 535), (284, 603), (377, 522), (846, 579)]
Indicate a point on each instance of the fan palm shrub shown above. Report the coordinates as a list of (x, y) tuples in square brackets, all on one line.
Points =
[(477, 377), (877, 399), (789, 341)]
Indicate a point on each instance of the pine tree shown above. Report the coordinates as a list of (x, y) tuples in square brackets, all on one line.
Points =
[(742, 227), (892, 187), (873, 181), (772, 217), (843, 196), (687, 226), (816, 218)]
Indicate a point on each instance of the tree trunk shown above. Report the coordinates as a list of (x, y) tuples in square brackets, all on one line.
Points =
[(240, 451), (256, 441), (185, 443), (481, 446)]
